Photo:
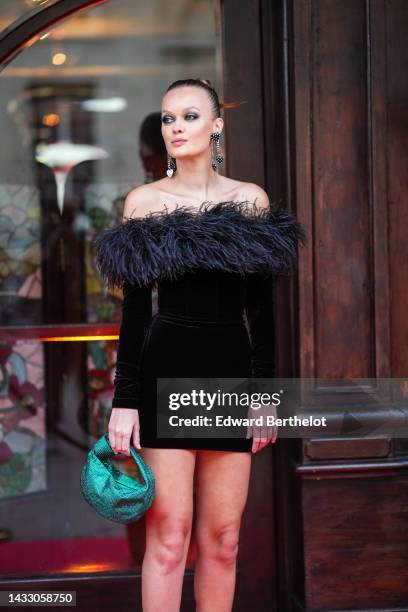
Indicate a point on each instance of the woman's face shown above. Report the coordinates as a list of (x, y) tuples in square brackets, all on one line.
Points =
[(186, 114)]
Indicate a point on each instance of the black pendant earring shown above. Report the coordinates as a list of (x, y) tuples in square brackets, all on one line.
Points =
[(216, 157), (171, 166)]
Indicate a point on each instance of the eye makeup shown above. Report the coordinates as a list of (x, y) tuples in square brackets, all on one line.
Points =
[(192, 114)]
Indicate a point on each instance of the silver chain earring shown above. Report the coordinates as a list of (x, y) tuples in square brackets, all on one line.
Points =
[(216, 157), (171, 166)]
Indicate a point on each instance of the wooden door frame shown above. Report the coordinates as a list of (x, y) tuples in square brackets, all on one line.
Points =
[(15, 37), (256, 60)]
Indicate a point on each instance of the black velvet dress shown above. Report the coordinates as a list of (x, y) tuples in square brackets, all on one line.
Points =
[(214, 266)]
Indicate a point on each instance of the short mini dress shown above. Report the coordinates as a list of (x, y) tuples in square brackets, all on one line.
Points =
[(214, 268)]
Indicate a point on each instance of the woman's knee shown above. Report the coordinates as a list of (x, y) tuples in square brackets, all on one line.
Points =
[(227, 545), (167, 540), (220, 544)]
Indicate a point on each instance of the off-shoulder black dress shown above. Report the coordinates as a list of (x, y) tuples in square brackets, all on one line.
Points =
[(214, 266)]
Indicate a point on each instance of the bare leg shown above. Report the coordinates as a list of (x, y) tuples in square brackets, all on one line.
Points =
[(168, 528), (222, 479)]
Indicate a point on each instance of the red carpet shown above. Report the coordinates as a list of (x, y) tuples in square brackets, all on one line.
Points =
[(65, 556)]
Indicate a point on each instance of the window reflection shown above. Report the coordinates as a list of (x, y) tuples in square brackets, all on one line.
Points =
[(80, 124), (13, 10)]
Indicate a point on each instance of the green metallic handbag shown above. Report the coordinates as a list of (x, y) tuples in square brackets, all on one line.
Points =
[(114, 495)]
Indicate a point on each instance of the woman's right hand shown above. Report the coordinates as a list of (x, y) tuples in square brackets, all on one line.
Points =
[(123, 423)]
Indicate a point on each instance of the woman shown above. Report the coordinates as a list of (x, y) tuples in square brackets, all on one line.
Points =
[(212, 244)]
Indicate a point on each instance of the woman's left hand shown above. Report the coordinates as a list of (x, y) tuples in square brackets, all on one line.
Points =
[(263, 434)]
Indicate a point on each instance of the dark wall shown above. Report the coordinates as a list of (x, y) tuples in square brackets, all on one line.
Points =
[(349, 134)]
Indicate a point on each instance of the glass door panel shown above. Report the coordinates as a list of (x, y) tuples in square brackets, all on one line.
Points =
[(79, 117)]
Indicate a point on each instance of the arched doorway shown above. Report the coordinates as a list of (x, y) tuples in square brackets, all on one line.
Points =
[(80, 87)]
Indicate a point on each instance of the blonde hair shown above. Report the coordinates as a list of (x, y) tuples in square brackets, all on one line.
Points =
[(208, 87)]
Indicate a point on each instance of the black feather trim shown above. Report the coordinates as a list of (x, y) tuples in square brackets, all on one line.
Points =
[(236, 237)]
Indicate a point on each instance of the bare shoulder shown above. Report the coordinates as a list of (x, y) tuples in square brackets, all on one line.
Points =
[(254, 193), (140, 200)]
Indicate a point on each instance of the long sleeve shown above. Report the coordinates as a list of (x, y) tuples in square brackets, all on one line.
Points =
[(136, 316), (259, 308)]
